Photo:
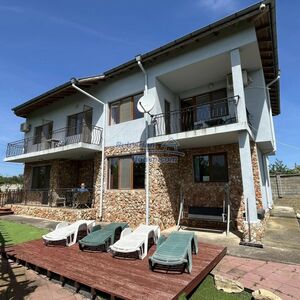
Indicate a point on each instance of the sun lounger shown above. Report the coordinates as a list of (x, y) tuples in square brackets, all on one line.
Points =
[(102, 238), (135, 241), (68, 234), (175, 252)]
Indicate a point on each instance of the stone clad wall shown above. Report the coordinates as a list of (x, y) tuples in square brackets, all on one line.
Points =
[(256, 175), (212, 194), (55, 213)]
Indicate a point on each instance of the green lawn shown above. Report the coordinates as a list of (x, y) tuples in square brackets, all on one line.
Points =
[(12, 233), (207, 291)]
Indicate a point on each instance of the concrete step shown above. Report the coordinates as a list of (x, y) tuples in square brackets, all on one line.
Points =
[(283, 212)]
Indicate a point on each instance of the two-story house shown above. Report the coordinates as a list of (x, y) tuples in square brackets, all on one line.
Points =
[(216, 91)]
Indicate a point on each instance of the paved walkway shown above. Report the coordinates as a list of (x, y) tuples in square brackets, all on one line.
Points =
[(16, 282), (281, 241), (281, 279)]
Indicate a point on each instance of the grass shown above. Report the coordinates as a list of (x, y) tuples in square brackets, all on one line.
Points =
[(207, 291), (12, 233)]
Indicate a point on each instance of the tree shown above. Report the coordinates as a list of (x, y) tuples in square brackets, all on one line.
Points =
[(278, 167)]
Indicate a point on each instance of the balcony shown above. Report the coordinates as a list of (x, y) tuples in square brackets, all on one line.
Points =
[(205, 124), (61, 143), (205, 115)]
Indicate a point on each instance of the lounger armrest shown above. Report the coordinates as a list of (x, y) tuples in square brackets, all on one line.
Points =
[(125, 232), (161, 240), (61, 225)]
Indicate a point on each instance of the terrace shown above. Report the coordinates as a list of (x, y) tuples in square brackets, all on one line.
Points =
[(60, 143), (122, 278)]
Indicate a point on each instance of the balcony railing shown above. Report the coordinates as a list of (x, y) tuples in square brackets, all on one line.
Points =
[(61, 197), (204, 115), (57, 138)]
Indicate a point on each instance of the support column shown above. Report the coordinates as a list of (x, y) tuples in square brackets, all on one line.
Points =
[(244, 139), (247, 176), (268, 181), (238, 85)]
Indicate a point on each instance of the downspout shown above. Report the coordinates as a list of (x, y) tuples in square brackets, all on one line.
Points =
[(138, 59), (74, 81), (269, 103)]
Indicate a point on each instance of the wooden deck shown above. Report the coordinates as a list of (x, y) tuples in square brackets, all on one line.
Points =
[(127, 279)]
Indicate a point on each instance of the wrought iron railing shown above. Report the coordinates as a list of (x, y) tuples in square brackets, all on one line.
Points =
[(204, 115), (57, 138), (62, 197)]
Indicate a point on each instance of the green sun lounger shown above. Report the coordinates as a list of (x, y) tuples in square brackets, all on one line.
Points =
[(175, 252), (102, 237)]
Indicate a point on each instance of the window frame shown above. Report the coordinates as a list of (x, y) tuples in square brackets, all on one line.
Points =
[(39, 140), (118, 103), (32, 179), (210, 167), (210, 102), (68, 133), (120, 172)]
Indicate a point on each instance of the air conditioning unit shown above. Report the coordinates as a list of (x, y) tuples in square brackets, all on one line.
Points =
[(230, 83), (25, 127)]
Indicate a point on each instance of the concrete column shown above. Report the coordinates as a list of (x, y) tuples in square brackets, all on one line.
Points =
[(244, 139), (247, 175), (238, 85)]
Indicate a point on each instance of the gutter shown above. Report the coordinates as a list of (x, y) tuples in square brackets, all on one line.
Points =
[(73, 83), (139, 61)]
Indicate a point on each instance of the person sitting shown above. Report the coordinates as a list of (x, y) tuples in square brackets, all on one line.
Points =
[(82, 188)]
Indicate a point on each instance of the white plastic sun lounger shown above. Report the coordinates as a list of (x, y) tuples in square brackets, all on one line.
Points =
[(67, 233), (135, 241)]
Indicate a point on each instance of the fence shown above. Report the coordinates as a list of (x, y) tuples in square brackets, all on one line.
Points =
[(285, 185)]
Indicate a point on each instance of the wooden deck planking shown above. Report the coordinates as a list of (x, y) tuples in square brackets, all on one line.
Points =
[(128, 279)]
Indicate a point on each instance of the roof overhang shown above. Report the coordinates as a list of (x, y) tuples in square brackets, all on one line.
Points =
[(265, 25)]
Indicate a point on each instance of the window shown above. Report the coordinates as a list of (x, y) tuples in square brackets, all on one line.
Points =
[(126, 172), (125, 109), (209, 105), (76, 122), (43, 132), (212, 167), (40, 177)]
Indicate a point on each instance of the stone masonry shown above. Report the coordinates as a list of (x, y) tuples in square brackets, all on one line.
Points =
[(167, 178)]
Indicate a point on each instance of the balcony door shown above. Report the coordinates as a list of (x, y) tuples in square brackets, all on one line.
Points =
[(80, 127), (204, 110), (43, 136)]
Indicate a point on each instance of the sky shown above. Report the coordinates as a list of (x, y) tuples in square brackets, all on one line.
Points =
[(45, 43)]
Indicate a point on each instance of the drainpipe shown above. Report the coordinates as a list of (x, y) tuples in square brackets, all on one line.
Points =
[(269, 103), (74, 81), (138, 59)]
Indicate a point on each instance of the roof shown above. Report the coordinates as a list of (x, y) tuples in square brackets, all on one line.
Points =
[(265, 25)]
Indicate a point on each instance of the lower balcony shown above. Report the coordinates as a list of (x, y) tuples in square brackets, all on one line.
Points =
[(66, 142)]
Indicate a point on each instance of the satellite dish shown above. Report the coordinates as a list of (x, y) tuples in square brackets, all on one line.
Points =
[(146, 103)]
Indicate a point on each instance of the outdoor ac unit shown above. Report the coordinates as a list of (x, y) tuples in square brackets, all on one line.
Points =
[(25, 127), (230, 83)]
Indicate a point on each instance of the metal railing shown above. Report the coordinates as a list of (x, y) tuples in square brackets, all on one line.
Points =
[(57, 138), (61, 197), (204, 115)]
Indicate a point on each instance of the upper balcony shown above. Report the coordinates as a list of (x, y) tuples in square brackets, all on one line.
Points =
[(194, 117), (73, 142)]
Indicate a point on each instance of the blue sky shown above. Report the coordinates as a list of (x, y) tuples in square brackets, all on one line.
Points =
[(45, 43)]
